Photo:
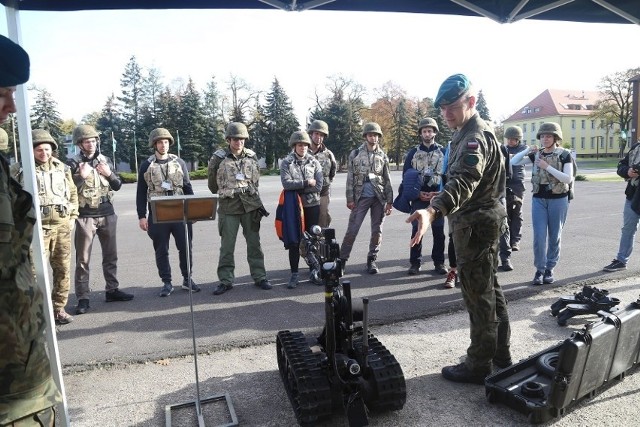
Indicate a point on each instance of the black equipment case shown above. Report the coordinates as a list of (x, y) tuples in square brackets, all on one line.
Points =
[(544, 385)]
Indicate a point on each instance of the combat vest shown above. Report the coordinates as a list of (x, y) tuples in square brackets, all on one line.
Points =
[(96, 188), (301, 170), (53, 189), (370, 166), (429, 164), (634, 161), (237, 175), (326, 159), (157, 174), (542, 177)]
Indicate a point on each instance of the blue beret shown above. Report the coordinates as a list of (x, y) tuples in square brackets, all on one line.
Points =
[(452, 89), (14, 63)]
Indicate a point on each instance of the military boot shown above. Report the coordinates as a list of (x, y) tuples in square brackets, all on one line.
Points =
[(372, 268)]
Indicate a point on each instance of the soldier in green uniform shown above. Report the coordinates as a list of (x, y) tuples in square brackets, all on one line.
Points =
[(28, 394), (96, 181), (368, 189), (59, 210), (234, 174), (471, 200), (318, 132)]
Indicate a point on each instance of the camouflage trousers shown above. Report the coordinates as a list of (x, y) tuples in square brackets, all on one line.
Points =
[(325, 219), (476, 249), (57, 245), (356, 217), (44, 418)]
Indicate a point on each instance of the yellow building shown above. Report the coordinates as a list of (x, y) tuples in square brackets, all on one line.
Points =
[(571, 109)]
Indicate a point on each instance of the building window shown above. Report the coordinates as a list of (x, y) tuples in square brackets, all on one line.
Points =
[(533, 127), (582, 142), (593, 124), (583, 124), (610, 142), (593, 142), (573, 124), (573, 142), (524, 127), (602, 142)]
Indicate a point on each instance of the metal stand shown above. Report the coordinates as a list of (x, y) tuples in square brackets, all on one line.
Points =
[(187, 209)]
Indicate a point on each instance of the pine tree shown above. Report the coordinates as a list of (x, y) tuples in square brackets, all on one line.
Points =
[(109, 125), (482, 108), (45, 115), (402, 133), (281, 122), (131, 84), (214, 122), (191, 125)]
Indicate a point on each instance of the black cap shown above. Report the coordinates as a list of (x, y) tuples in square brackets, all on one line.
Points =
[(14, 63)]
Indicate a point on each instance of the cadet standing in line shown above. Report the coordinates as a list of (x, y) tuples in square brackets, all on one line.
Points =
[(471, 199), (94, 177), (28, 393), (59, 210), (515, 187), (234, 174), (368, 189), (318, 132), (428, 159), (164, 174), (302, 173)]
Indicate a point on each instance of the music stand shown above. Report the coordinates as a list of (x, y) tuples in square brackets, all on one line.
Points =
[(185, 209)]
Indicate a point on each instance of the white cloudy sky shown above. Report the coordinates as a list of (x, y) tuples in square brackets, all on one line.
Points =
[(80, 56)]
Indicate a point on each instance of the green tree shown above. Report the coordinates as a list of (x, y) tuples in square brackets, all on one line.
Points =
[(191, 125), (45, 115), (214, 118), (616, 102), (342, 110), (481, 106), (402, 133), (131, 85), (242, 99), (281, 123), (110, 127)]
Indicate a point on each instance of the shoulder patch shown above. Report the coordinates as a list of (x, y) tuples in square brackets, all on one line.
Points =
[(249, 152), (220, 153), (472, 145), (471, 159)]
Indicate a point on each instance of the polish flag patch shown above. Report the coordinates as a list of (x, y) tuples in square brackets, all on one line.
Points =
[(472, 145)]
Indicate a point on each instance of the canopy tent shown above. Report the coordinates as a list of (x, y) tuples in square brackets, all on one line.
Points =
[(501, 11)]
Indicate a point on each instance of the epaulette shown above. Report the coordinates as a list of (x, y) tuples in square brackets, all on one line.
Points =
[(220, 153), (249, 152)]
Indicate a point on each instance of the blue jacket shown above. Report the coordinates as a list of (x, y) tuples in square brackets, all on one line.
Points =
[(289, 218), (409, 190)]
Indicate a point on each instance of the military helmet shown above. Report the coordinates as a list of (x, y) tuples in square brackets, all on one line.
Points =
[(426, 122), (4, 140), (299, 136), (371, 127), (319, 126), (160, 133), (41, 136), (236, 130), (513, 132), (83, 132), (550, 127)]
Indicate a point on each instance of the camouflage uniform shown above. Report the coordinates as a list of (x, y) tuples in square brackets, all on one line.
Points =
[(367, 167), (329, 165), (235, 179), (26, 384), (58, 206), (471, 200)]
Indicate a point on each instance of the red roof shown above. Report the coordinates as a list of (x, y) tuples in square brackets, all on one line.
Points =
[(554, 102)]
